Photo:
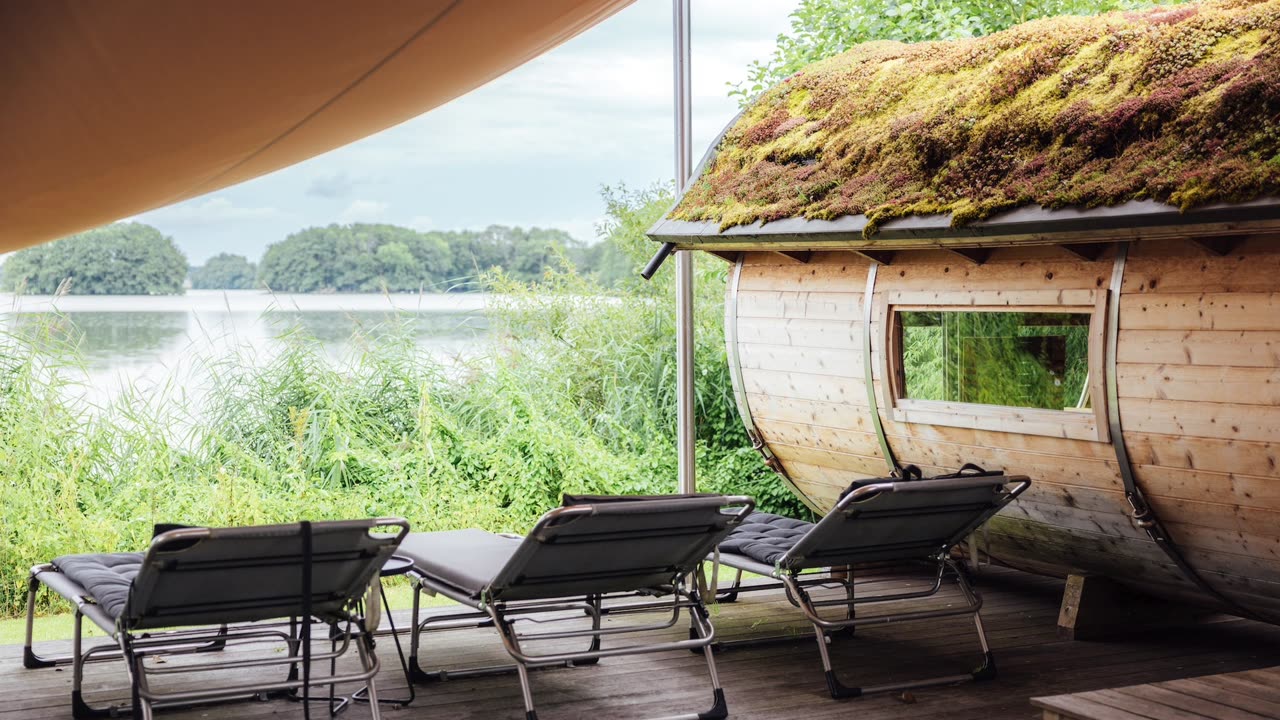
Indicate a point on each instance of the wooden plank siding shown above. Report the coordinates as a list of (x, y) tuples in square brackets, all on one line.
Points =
[(1198, 374), (1210, 404)]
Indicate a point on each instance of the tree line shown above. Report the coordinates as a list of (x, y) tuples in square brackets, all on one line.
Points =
[(137, 259)]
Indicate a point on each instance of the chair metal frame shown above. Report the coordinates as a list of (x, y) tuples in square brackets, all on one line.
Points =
[(138, 635), (788, 570), (490, 610)]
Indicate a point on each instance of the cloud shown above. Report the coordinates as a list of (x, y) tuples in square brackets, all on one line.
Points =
[(363, 211), (330, 185), (530, 148), (210, 211)]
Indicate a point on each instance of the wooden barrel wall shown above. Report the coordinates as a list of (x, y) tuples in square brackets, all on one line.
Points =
[(1198, 379)]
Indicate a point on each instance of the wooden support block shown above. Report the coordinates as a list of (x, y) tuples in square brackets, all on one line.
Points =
[(1098, 608), (882, 257), (1219, 245), (800, 257), (1086, 251), (977, 256)]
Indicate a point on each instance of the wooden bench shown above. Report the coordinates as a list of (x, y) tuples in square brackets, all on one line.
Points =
[(1249, 695)]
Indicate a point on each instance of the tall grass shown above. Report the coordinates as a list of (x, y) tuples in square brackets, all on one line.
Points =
[(574, 393)]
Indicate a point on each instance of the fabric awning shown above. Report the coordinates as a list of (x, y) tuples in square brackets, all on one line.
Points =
[(109, 108)]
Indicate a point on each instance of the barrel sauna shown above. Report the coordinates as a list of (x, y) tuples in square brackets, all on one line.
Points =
[(1091, 314)]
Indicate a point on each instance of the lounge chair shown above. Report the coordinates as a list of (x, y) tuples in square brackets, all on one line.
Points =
[(891, 521), (577, 559), (195, 583)]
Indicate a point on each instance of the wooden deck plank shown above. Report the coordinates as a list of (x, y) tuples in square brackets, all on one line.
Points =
[(1175, 698), (1198, 688), (777, 680), (1242, 695)]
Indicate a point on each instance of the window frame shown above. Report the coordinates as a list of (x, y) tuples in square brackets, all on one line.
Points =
[(1076, 425)]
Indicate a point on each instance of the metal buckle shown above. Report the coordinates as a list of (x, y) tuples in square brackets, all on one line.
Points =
[(1141, 511)]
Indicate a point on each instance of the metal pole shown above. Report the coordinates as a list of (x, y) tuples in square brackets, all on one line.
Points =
[(684, 260)]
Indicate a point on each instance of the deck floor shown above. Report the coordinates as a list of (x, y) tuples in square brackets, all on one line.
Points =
[(1247, 695), (782, 680)]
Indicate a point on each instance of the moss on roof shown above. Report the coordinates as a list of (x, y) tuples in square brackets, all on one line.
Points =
[(1179, 104)]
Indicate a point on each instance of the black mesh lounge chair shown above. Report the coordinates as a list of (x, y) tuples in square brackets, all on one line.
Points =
[(574, 561), (884, 521), (194, 582)]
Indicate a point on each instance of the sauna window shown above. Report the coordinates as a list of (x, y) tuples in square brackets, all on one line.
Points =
[(1012, 359)]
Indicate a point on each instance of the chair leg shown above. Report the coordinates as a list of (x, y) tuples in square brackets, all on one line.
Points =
[(701, 623), (851, 612), (513, 642), (987, 670), (142, 709), (368, 661), (731, 595), (30, 660), (597, 613), (837, 689)]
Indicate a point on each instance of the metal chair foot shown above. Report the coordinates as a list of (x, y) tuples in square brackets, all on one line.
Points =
[(838, 690), (986, 671), (32, 661), (719, 708), (81, 710)]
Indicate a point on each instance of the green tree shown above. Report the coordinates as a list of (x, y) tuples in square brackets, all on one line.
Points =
[(373, 258), (119, 259), (225, 271), (823, 28), (356, 258)]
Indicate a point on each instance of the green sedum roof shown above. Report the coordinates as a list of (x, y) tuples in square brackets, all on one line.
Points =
[(1179, 105)]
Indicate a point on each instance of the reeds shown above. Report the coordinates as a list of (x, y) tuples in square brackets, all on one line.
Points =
[(574, 392)]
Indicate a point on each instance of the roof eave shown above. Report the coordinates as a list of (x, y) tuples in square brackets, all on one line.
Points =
[(1134, 220)]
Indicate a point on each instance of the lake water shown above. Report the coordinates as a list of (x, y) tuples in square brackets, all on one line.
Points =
[(147, 341)]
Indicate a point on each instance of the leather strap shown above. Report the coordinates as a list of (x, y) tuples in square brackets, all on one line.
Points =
[(1142, 513)]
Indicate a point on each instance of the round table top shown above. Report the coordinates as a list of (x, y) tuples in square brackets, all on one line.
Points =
[(396, 565)]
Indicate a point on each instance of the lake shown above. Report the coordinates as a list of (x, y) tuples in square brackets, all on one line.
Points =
[(146, 341)]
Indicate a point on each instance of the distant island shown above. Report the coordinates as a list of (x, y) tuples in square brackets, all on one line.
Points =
[(119, 259), (137, 259)]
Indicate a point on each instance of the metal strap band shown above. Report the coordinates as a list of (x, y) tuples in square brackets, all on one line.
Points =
[(867, 302), (740, 388), (1143, 515)]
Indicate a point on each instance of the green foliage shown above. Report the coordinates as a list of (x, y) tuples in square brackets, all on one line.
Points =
[(378, 258), (575, 395), (824, 28), (119, 259), (225, 271), (1175, 105)]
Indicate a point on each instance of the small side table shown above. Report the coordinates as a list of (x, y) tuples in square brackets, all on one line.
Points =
[(396, 565)]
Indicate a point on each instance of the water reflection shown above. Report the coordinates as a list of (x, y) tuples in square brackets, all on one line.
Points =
[(144, 342), (106, 338)]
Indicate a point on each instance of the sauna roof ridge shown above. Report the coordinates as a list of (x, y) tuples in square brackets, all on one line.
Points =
[(1119, 121)]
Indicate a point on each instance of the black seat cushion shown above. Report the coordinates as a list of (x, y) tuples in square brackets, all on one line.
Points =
[(466, 559), (106, 577), (765, 537)]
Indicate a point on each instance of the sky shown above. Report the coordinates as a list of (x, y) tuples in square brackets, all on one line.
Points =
[(531, 148)]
